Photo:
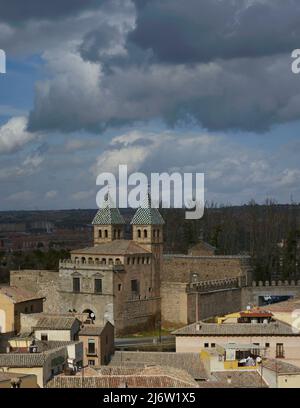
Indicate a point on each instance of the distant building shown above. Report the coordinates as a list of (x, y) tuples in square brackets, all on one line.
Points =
[(98, 344), (40, 358), (13, 302), (202, 248), (279, 339)]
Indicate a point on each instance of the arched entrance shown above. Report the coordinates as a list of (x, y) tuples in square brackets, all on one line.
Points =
[(92, 316)]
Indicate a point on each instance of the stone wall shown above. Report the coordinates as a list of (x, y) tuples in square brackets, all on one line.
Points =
[(43, 283), (180, 268), (215, 303)]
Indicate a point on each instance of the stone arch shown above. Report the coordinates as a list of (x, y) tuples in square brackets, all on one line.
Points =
[(91, 314)]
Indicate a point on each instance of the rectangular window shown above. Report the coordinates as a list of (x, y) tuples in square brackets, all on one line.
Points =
[(206, 345), (267, 345), (44, 337), (91, 362), (76, 285), (135, 286), (119, 287), (98, 285), (213, 345), (279, 350), (91, 346)]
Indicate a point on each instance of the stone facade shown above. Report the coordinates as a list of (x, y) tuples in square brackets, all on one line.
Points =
[(199, 287)]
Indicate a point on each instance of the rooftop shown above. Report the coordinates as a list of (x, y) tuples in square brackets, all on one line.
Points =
[(91, 330), (116, 247), (147, 214), (56, 322), (108, 214), (281, 367), (276, 328), (190, 362), (17, 295), (245, 379), (118, 377)]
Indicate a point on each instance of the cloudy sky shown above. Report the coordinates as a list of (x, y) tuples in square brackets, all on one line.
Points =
[(160, 85)]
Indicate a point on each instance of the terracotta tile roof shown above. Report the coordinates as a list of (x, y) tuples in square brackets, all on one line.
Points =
[(276, 328), (190, 362), (17, 295), (116, 247), (241, 379), (91, 330), (117, 377), (281, 367), (56, 322)]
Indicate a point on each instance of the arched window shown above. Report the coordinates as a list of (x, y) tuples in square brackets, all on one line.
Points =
[(100, 233), (145, 233), (90, 260), (153, 233), (118, 261), (83, 259), (139, 233), (115, 234), (128, 261), (106, 233), (103, 261), (119, 234), (97, 260), (110, 261)]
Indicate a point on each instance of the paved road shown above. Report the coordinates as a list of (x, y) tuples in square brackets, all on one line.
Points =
[(131, 341)]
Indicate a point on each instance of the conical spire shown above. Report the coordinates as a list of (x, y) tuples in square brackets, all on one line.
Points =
[(146, 215), (108, 214)]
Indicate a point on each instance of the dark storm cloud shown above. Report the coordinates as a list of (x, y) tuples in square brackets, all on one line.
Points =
[(18, 11), (186, 31)]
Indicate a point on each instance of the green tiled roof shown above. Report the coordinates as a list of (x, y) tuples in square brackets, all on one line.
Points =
[(146, 215), (108, 214)]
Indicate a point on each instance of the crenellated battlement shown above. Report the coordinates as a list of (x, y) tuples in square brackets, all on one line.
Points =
[(211, 285), (275, 283)]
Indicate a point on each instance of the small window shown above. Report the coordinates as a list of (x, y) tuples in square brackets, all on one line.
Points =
[(267, 345), (206, 345), (145, 233), (106, 233), (135, 286), (139, 233), (128, 261), (98, 285), (44, 337), (103, 261), (100, 234), (115, 234), (119, 287), (91, 362), (91, 346), (213, 345), (119, 234), (157, 233), (76, 285)]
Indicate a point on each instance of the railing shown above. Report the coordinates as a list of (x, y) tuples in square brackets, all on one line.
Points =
[(276, 283), (217, 284), (69, 263)]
